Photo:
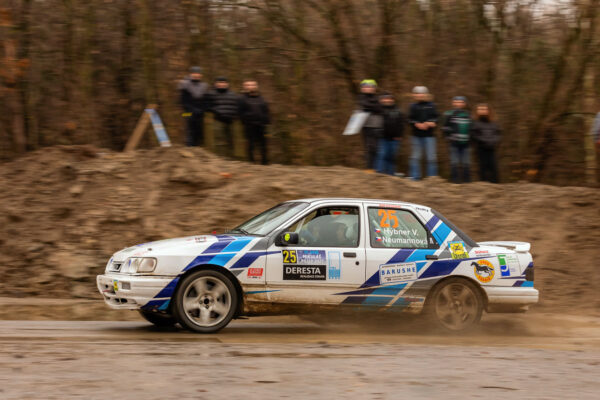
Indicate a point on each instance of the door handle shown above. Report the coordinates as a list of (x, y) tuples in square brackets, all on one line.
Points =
[(350, 255), (431, 257)]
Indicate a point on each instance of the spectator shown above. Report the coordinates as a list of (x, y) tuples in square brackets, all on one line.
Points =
[(368, 101), (193, 96), (486, 136), (224, 105), (422, 117), (254, 113), (457, 123), (393, 128), (595, 132)]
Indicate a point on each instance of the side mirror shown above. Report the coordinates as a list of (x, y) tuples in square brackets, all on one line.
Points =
[(288, 238)]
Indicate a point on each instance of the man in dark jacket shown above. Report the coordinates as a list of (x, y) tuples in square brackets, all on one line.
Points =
[(368, 101), (393, 128), (486, 136), (254, 113), (193, 97), (224, 105), (422, 116), (457, 123)]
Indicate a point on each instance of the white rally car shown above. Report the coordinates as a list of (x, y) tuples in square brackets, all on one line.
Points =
[(374, 255)]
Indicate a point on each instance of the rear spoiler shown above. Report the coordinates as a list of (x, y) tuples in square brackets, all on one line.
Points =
[(519, 247)]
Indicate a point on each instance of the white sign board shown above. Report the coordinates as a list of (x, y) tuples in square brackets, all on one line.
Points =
[(356, 122)]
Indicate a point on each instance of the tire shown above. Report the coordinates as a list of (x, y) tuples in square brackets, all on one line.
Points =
[(205, 301), (162, 320), (455, 305)]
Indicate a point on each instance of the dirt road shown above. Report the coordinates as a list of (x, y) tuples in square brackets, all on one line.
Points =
[(536, 357)]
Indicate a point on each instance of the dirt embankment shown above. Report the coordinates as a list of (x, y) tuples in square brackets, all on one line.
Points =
[(65, 210)]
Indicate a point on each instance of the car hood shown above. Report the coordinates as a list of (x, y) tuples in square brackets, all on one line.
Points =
[(196, 244)]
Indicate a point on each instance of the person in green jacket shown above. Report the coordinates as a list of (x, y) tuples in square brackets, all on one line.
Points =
[(457, 124)]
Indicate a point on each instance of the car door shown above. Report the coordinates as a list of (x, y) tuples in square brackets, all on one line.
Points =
[(398, 245), (329, 257)]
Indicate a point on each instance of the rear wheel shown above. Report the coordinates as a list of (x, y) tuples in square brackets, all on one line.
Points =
[(163, 320), (456, 305), (205, 301)]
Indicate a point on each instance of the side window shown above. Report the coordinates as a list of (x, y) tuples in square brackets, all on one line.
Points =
[(393, 228), (328, 227)]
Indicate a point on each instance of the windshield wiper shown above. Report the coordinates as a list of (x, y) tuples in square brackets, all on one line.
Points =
[(240, 230)]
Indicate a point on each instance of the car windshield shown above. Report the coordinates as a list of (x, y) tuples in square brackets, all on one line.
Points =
[(265, 222)]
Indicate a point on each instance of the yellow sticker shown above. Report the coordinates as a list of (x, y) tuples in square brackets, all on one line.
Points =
[(116, 285), (287, 237), (458, 250)]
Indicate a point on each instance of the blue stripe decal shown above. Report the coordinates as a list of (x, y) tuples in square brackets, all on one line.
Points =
[(442, 232), (260, 291), (372, 281), (168, 290), (420, 265), (527, 284), (222, 259), (400, 256), (376, 301), (432, 222), (390, 290), (217, 247), (354, 300), (420, 254), (237, 245), (201, 259), (154, 304), (247, 259), (165, 305), (443, 267), (359, 291)]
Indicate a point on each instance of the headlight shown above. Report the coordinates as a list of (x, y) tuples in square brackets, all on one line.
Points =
[(141, 264)]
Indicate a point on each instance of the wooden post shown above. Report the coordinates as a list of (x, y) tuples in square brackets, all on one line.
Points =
[(140, 129)]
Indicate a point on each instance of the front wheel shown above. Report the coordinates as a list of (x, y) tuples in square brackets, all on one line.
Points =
[(456, 305), (205, 301)]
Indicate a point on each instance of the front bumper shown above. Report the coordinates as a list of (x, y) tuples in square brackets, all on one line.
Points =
[(132, 292)]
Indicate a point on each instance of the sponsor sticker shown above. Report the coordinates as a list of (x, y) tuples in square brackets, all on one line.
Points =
[(457, 249), (509, 263), (334, 269), (255, 273), (116, 286), (483, 270), (397, 272), (304, 272), (481, 252), (304, 265)]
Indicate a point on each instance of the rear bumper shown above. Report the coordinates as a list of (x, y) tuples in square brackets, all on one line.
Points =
[(131, 292), (503, 298)]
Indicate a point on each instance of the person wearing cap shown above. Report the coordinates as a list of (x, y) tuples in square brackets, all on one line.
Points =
[(224, 104), (457, 123), (254, 113), (393, 129), (422, 116), (368, 101), (193, 97)]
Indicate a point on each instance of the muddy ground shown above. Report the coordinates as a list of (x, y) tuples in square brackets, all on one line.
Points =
[(65, 210), (535, 358)]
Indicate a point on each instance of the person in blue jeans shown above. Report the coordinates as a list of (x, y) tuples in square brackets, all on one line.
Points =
[(393, 129), (422, 116), (457, 124)]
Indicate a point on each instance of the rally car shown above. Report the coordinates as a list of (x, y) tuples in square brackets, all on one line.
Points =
[(372, 255)]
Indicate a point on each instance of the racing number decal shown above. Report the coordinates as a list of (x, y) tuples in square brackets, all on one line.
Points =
[(386, 216), (289, 256)]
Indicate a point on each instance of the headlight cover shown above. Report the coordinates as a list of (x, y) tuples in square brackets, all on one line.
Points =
[(141, 264)]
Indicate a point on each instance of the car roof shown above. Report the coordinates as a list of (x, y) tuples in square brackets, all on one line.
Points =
[(342, 199)]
